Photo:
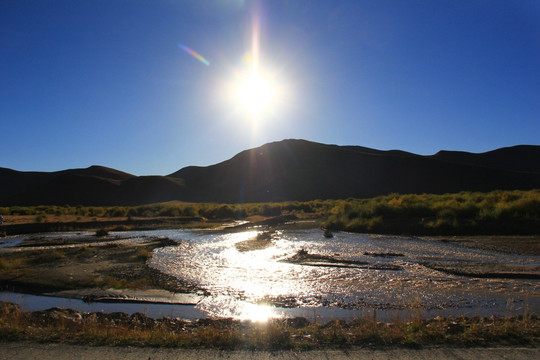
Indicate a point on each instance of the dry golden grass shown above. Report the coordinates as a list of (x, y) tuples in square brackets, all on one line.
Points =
[(138, 330)]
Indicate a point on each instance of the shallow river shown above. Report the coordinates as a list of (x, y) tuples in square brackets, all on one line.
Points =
[(260, 284)]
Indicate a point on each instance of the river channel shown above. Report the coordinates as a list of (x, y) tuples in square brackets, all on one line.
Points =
[(390, 277), (348, 276)]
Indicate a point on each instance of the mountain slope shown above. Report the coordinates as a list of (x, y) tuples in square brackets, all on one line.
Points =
[(522, 158), (76, 188), (302, 170), (14, 183), (285, 170)]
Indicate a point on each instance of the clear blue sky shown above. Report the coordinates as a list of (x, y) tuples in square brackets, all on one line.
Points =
[(104, 82)]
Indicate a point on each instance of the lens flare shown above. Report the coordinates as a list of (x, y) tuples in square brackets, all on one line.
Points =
[(195, 54)]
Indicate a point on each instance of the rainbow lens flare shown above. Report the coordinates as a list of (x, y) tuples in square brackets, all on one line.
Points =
[(195, 54)]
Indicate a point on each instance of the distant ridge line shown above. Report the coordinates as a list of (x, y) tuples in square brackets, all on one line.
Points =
[(291, 169)]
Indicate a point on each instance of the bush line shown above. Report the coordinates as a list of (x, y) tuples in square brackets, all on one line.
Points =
[(465, 213)]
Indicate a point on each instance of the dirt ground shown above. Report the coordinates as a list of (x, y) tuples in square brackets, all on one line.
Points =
[(28, 350), (92, 265)]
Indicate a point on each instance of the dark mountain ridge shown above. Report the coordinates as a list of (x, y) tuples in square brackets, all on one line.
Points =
[(522, 158), (302, 170), (284, 170), (14, 182)]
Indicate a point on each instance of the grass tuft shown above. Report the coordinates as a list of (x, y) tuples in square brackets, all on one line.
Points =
[(144, 254)]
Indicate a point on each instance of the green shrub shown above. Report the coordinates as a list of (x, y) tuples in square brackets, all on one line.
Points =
[(144, 254)]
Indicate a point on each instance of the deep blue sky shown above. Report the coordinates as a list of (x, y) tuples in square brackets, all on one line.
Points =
[(104, 81)]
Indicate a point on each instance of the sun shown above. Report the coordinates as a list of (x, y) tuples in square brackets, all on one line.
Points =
[(257, 90), (255, 93)]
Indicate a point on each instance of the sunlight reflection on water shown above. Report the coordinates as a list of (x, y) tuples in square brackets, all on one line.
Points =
[(243, 283)]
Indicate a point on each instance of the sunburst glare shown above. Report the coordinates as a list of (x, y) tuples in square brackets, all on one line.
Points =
[(256, 91)]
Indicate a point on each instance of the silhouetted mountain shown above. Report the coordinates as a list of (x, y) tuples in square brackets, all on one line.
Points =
[(69, 189), (302, 170), (285, 170), (95, 185), (33, 186), (151, 189), (101, 172), (524, 158)]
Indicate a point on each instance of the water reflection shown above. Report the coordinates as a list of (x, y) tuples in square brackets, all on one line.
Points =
[(229, 307), (238, 280), (257, 284), (36, 303), (257, 313)]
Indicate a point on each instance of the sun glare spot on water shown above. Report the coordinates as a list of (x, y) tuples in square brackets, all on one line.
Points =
[(259, 284), (244, 268), (257, 313)]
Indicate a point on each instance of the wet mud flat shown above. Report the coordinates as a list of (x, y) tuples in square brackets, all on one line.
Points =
[(520, 245), (486, 270), (515, 245), (303, 257), (110, 268), (258, 242)]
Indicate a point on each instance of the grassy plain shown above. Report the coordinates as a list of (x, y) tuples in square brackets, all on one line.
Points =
[(464, 213)]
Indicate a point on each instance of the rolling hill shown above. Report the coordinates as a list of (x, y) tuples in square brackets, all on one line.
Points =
[(284, 170)]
